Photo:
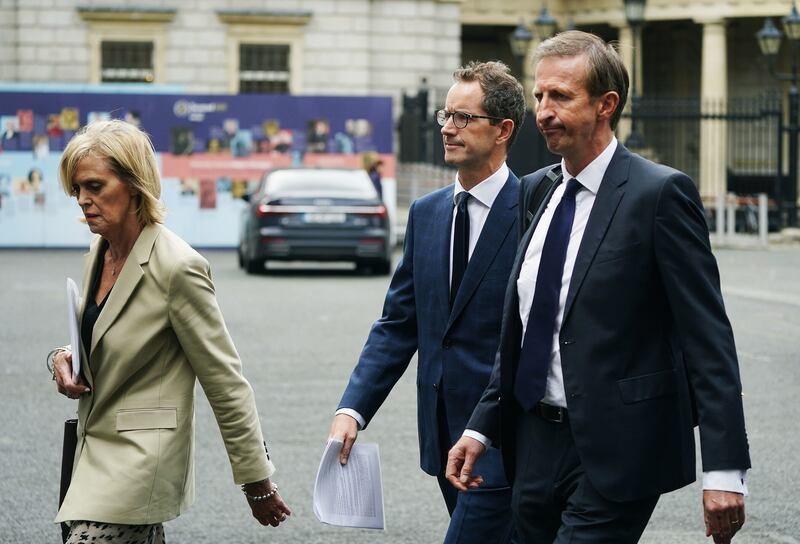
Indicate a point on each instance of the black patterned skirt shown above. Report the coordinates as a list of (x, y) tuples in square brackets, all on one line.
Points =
[(88, 532)]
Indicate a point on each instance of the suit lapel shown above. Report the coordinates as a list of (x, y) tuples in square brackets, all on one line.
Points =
[(495, 229), (129, 277), (605, 206), (442, 225)]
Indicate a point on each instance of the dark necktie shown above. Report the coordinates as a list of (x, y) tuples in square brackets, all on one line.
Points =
[(534, 358), (460, 244)]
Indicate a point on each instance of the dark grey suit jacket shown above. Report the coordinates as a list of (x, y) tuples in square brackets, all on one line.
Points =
[(646, 347)]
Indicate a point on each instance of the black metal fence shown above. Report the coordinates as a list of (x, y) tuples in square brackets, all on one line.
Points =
[(421, 139), (745, 134), (741, 139)]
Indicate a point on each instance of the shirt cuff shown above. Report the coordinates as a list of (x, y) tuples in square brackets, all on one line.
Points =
[(355, 415), (734, 481), (479, 437)]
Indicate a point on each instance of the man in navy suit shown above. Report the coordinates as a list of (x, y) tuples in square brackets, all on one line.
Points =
[(445, 298), (615, 341)]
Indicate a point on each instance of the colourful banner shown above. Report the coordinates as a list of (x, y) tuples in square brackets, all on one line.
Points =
[(211, 149)]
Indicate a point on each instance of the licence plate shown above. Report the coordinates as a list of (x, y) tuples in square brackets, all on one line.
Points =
[(325, 218)]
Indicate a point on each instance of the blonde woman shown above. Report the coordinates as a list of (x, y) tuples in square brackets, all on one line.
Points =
[(150, 327)]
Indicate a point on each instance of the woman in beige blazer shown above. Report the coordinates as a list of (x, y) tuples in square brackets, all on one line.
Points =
[(150, 327)]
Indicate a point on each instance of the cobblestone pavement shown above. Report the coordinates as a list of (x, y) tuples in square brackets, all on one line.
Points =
[(299, 332)]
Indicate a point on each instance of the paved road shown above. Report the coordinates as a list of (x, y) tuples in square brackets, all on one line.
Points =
[(299, 333)]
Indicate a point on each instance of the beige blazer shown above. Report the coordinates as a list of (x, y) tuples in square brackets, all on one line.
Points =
[(160, 330)]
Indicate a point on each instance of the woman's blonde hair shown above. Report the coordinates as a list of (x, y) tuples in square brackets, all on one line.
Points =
[(129, 154)]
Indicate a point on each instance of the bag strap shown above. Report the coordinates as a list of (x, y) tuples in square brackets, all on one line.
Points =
[(551, 178)]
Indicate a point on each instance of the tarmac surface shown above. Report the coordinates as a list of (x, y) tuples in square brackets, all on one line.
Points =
[(299, 331)]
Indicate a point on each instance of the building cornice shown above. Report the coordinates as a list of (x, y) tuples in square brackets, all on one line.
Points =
[(264, 16), (126, 14)]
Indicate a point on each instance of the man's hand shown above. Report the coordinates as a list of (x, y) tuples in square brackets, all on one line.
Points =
[(345, 429), (723, 513), (460, 460), (62, 374)]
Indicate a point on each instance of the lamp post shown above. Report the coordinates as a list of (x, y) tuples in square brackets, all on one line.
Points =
[(634, 14), (545, 24), (520, 39), (769, 41)]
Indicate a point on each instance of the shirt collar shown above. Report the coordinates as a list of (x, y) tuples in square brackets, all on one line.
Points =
[(487, 190), (591, 176)]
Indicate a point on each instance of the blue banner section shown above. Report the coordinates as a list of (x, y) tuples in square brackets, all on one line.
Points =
[(211, 149)]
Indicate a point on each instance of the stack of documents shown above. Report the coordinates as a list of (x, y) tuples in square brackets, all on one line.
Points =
[(73, 311), (350, 495)]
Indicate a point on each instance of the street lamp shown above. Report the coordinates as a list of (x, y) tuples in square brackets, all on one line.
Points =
[(545, 24), (520, 39), (769, 41), (634, 14)]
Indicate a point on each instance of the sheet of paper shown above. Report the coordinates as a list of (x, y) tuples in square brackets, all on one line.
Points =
[(350, 495), (73, 309)]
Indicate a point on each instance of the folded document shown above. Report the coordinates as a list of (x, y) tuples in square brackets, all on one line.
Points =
[(73, 310), (350, 495)]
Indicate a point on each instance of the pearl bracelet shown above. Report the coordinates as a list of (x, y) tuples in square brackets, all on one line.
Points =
[(51, 356), (259, 498)]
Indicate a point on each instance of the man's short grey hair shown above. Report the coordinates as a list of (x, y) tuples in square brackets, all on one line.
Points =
[(503, 95)]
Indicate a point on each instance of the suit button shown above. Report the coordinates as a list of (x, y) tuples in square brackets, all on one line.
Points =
[(567, 342), (436, 387), (447, 343)]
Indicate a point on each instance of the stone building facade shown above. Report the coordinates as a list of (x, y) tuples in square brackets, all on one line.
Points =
[(330, 47), (688, 49), (693, 49)]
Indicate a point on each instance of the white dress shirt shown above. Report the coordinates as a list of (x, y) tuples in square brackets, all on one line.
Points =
[(478, 207), (590, 179)]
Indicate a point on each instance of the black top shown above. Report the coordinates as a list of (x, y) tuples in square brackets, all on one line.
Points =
[(92, 311)]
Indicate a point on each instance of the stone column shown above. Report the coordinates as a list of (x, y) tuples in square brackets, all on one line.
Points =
[(528, 76), (714, 96), (626, 48)]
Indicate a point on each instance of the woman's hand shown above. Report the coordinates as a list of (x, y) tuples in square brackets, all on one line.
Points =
[(62, 374), (270, 511)]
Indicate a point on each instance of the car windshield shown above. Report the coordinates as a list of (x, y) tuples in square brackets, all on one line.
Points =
[(320, 183)]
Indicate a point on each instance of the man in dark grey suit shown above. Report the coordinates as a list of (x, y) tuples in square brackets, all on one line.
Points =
[(445, 298), (615, 341)]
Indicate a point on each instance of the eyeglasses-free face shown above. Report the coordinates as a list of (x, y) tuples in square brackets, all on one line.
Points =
[(460, 118)]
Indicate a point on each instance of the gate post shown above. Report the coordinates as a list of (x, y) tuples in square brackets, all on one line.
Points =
[(713, 106)]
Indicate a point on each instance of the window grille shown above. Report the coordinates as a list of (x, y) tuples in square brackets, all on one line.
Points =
[(127, 62), (263, 68)]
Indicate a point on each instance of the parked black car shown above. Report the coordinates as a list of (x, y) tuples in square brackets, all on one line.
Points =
[(315, 214)]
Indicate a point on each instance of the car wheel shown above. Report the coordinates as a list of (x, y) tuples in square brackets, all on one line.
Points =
[(255, 266), (382, 267), (378, 267), (240, 257)]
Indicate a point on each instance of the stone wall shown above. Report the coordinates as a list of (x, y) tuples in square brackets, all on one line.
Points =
[(373, 47)]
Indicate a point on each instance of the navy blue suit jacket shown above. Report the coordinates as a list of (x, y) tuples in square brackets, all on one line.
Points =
[(646, 348), (455, 347)]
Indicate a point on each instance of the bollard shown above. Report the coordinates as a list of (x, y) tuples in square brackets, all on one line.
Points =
[(414, 184), (720, 225), (763, 225), (731, 216)]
